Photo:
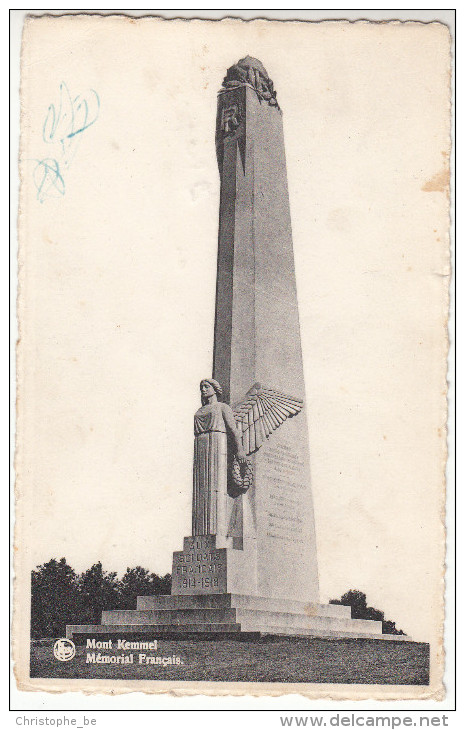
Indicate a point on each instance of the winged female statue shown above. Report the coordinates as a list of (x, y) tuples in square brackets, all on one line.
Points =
[(243, 428)]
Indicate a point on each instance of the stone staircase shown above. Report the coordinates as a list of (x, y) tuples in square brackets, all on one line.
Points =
[(227, 614)]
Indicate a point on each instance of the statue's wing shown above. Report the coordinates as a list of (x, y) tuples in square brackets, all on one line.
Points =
[(261, 412)]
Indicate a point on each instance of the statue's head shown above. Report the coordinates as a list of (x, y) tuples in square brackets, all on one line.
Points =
[(207, 385)]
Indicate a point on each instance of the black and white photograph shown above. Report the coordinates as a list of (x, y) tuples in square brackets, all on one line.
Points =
[(233, 301)]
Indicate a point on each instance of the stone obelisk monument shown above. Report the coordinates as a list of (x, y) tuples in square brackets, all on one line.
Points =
[(250, 564), (257, 334)]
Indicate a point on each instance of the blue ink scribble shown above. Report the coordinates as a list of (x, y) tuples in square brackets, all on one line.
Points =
[(48, 179), (63, 127)]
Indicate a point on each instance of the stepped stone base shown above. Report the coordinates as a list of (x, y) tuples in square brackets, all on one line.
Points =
[(232, 614)]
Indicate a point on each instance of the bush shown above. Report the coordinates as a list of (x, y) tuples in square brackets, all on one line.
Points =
[(359, 609)]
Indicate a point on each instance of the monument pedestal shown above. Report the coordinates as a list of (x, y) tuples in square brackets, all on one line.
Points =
[(204, 567), (204, 603)]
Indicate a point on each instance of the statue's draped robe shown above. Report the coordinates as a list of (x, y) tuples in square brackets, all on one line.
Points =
[(210, 470)]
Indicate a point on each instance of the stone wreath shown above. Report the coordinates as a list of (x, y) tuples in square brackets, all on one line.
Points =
[(242, 475)]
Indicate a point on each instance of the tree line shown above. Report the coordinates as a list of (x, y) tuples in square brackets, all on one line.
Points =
[(358, 604), (60, 595)]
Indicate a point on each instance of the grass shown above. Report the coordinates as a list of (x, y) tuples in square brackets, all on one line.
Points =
[(265, 659)]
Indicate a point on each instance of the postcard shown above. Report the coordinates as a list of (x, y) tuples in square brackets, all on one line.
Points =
[(233, 302)]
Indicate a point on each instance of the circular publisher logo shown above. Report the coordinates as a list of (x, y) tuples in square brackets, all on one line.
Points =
[(64, 650)]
